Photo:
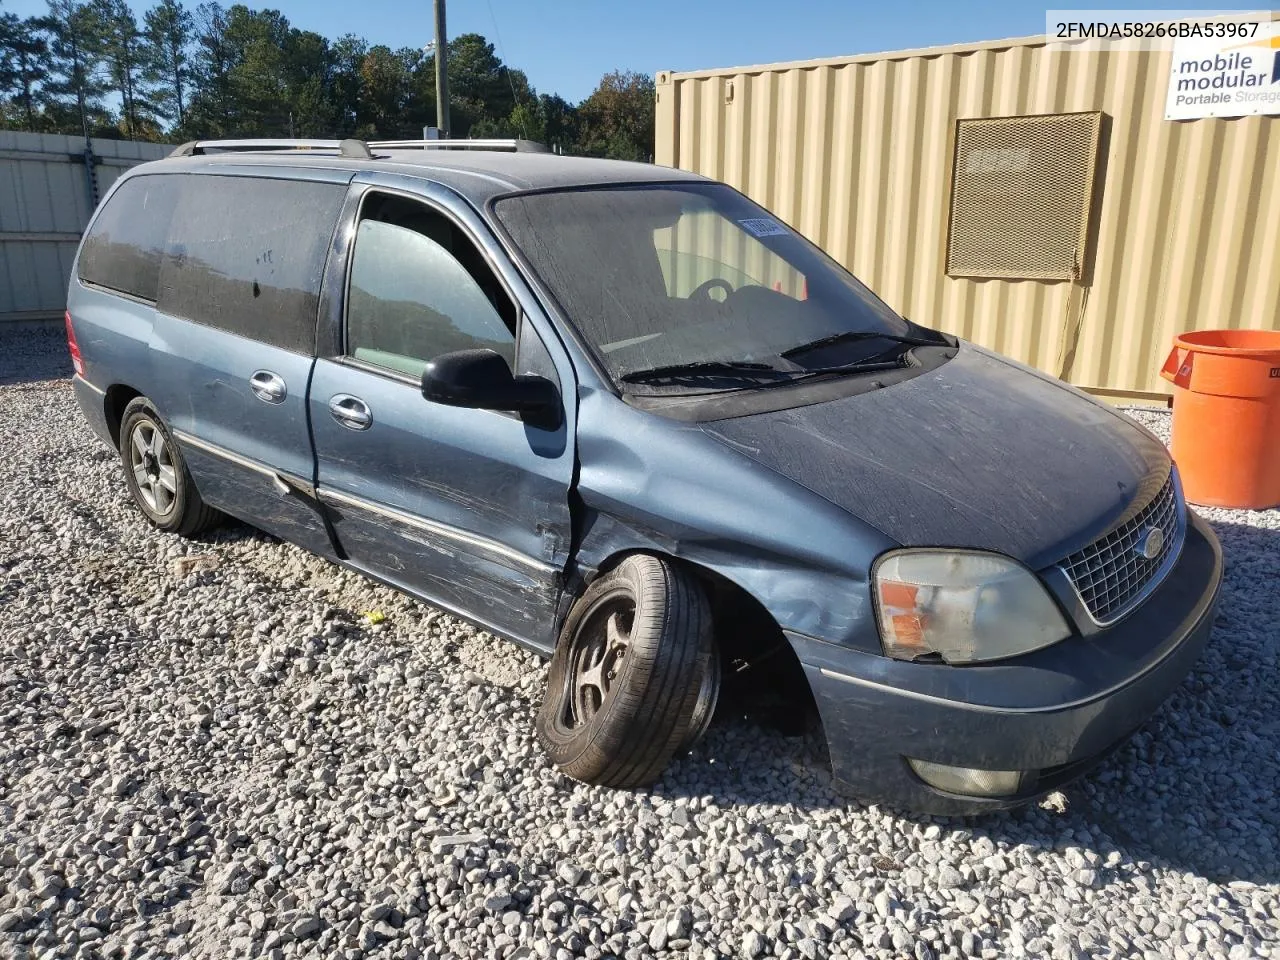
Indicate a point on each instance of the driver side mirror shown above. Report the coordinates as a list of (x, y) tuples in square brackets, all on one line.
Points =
[(481, 380)]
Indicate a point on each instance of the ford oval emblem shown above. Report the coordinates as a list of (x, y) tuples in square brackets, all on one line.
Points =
[(1148, 548)]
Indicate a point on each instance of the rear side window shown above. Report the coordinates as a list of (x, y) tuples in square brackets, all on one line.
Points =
[(124, 248), (247, 255)]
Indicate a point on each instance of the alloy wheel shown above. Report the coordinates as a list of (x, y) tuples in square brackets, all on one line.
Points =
[(153, 470)]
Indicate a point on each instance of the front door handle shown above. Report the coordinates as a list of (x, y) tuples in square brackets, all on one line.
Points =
[(268, 386), (352, 412)]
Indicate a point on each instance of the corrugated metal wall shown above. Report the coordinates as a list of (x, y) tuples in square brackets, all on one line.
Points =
[(856, 153), (44, 205)]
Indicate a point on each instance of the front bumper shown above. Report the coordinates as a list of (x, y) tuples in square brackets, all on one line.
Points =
[(1057, 711)]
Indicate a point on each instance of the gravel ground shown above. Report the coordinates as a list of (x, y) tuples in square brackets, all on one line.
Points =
[(207, 751)]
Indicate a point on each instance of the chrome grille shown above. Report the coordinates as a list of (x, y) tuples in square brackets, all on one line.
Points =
[(1110, 575)]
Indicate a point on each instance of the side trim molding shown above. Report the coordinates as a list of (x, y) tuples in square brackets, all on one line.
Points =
[(284, 485), (445, 531)]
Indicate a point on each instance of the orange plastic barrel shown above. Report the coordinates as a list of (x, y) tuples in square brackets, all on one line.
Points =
[(1226, 416)]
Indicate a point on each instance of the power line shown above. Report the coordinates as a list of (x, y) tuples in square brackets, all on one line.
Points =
[(515, 100)]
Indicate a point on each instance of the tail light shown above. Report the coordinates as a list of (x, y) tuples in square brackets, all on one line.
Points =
[(74, 347)]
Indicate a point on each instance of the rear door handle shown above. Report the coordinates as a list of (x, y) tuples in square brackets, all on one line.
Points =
[(352, 412), (268, 386)]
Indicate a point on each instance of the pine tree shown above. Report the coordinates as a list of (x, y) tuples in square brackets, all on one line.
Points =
[(170, 31), (347, 53), (123, 52), (9, 24), (74, 66), (237, 71), (213, 106), (24, 66)]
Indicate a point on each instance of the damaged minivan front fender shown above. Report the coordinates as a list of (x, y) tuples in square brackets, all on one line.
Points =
[(658, 485)]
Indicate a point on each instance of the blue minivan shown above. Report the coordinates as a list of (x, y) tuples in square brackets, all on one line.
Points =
[(625, 417)]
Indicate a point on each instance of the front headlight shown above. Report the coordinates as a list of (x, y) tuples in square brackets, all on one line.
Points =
[(964, 606)]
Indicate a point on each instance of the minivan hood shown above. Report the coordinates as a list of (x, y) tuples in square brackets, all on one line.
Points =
[(980, 453)]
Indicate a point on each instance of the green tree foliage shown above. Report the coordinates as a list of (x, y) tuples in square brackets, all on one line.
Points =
[(261, 72), (421, 110), (24, 67), (215, 71), (170, 33), (212, 111), (9, 71), (559, 119), (617, 119), (384, 93), (482, 89), (74, 86), (347, 55), (122, 50)]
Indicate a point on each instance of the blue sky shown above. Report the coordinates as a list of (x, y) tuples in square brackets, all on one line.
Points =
[(566, 45)]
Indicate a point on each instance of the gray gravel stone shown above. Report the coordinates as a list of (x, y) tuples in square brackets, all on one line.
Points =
[(12, 919), (842, 909), (680, 923), (210, 751), (658, 937), (570, 874), (753, 945)]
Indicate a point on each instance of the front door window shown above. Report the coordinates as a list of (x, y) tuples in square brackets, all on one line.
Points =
[(419, 289)]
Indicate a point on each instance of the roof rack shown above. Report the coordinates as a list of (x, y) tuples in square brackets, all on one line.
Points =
[(356, 149), (513, 146), (346, 148)]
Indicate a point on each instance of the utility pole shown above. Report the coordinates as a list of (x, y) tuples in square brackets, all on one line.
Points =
[(442, 73)]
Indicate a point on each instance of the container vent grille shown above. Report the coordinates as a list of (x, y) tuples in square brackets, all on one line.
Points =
[(1021, 191)]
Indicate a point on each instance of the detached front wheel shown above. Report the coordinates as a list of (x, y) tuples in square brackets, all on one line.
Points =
[(634, 677)]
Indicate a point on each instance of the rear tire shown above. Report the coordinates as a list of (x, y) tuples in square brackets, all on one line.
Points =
[(634, 676), (157, 476)]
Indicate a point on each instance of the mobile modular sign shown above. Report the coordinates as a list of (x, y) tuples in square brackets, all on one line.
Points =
[(1225, 76), (1222, 63)]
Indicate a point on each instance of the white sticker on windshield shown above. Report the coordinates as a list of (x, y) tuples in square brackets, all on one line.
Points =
[(763, 227)]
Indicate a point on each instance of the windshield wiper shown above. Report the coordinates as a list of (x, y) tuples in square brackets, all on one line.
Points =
[(851, 336), (747, 369), (858, 366), (701, 368)]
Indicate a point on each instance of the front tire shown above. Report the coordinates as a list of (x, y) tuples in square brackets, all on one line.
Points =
[(634, 676), (157, 475)]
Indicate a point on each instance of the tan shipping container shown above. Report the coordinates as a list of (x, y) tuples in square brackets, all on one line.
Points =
[(1181, 219)]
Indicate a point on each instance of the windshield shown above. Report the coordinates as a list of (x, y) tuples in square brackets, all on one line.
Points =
[(695, 275)]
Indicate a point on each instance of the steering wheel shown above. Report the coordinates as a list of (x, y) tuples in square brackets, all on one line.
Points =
[(703, 290)]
